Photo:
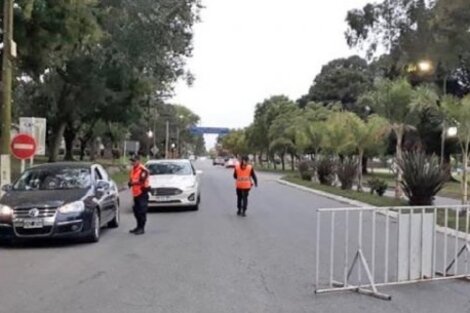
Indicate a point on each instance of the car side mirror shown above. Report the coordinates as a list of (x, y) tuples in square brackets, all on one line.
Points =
[(7, 188), (102, 186)]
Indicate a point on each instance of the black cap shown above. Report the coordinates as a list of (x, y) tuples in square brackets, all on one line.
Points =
[(134, 158)]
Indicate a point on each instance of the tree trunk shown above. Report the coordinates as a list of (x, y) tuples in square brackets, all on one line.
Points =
[(56, 142), (399, 157), (93, 149), (365, 161), (360, 171), (283, 162), (69, 138), (83, 144), (292, 161), (465, 176)]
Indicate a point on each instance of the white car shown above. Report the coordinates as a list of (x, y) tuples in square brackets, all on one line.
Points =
[(174, 183), (231, 163)]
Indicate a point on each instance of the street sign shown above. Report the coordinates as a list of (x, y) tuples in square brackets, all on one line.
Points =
[(23, 146), (132, 147), (35, 127)]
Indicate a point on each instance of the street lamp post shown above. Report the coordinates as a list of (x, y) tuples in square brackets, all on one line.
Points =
[(149, 136), (444, 126)]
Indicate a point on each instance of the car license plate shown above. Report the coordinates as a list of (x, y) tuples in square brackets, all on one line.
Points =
[(162, 199), (32, 223)]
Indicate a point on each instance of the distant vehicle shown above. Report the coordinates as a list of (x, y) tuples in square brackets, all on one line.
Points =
[(66, 200), (231, 163), (218, 161), (192, 157), (174, 183)]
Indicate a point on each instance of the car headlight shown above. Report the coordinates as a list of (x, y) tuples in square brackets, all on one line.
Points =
[(5, 210), (74, 207), (191, 186)]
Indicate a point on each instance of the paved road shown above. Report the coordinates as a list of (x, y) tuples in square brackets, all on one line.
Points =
[(209, 261)]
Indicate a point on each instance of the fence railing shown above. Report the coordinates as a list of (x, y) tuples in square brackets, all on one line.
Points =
[(362, 249)]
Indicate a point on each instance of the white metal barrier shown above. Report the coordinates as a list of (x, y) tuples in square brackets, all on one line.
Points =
[(392, 246)]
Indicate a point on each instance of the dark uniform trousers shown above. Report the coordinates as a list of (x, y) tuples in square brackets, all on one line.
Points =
[(242, 199), (140, 209)]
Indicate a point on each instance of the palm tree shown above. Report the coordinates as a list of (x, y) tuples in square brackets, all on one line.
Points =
[(367, 135), (458, 112), (393, 101)]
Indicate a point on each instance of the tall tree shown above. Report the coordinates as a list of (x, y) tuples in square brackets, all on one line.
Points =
[(459, 112), (393, 101), (341, 80)]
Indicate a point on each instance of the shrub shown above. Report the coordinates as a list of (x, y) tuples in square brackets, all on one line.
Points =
[(347, 173), (423, 177), (326, 171), (378, 186), (306, 170)]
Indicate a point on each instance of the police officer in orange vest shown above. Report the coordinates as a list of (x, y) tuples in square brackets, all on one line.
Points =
[(245, 177), (140, 187)]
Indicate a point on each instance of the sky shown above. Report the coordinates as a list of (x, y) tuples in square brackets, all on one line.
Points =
[(248, 50)]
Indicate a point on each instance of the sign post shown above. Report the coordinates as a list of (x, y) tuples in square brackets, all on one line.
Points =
[(23, 147), (36, 127)]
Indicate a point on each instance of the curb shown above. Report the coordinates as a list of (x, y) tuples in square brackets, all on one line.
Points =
[(446, 231), (325, 194)]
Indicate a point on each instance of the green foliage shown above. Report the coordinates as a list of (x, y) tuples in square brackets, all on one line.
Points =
[(326, 170), (306, 170), (338, 136), (458, 111), (110, 61), (347, 172), (236, 142), (423, 177), (388, 23), (377, 185), (392, 100), (48, 33), (341, 80)]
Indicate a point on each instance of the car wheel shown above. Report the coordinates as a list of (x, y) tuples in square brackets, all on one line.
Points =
[(95, 231), (196, 207), (114, 223)]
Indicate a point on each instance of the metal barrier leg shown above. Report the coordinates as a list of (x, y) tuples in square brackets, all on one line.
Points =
[(360, 260), (465, 248)]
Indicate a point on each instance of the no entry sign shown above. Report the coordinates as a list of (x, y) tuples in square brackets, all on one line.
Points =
[(23, 146)]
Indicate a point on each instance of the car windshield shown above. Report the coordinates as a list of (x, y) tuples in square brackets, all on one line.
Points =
[(54, 178), (170, 168)]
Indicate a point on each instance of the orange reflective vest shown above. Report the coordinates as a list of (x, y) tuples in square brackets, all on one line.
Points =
[(139, 180), (244, 177)]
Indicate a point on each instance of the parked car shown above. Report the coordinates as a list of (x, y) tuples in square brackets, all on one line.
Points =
[(67, 200), (174, 183), (218, 161)]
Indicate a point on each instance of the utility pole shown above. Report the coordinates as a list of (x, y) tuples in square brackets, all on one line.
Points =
[(5, 118), (178, 150), (167, 138)]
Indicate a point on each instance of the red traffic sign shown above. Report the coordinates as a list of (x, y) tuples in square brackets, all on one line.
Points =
[(23, 146)]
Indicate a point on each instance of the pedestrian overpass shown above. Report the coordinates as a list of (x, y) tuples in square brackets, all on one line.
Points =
[(221, 131)]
